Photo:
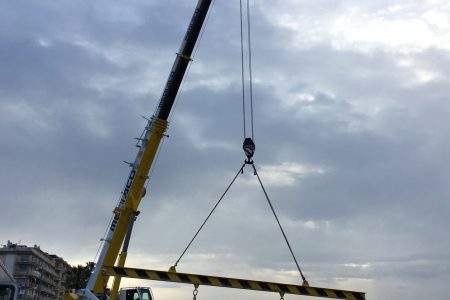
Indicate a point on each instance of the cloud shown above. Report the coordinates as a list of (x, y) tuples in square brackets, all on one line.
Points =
[(351, 125), (286, 173)]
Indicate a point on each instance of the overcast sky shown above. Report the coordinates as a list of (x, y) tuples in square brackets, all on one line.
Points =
[(351, 129)]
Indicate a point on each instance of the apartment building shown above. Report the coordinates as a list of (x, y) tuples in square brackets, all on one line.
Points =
[(38, 274)]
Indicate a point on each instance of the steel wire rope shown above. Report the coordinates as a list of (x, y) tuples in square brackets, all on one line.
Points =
[(250, 68), (210, 213), (279, 224), (249, 40), (242, 68)]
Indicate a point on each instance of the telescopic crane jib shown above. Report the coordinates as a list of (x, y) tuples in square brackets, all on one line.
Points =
[(154, 132)]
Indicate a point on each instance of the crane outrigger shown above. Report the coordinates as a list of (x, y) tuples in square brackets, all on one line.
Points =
[(126, 211)]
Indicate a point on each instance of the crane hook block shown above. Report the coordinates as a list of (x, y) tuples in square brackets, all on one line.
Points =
[(249, 149)]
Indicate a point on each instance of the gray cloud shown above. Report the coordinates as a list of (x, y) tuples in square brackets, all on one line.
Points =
[(350, 127)]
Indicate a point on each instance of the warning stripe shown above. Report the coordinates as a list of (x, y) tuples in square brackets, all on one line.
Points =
[(234, 283)]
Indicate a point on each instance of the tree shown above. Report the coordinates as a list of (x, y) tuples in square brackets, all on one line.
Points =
[(78, 276)]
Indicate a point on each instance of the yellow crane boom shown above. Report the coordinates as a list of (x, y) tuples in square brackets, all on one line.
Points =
[(155, 130)]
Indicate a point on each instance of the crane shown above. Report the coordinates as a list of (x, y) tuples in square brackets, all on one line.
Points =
[(126, 211), (134, 190)]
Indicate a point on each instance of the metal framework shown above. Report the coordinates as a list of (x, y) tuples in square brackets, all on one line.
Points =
[(154, 132), (236, 283)]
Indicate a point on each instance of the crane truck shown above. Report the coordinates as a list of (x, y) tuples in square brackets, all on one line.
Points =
[(126, 211)]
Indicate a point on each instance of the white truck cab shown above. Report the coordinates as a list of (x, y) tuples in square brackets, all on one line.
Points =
[(8, 290), (8, 287), (135, 293)]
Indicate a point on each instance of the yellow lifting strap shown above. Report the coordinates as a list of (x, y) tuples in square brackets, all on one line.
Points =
[(255, 285)]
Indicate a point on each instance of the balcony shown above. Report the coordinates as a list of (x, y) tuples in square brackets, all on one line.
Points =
[(25, 273), (46, 290), (24, 262)]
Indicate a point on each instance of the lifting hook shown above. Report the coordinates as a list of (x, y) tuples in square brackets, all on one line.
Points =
[(249, 150)]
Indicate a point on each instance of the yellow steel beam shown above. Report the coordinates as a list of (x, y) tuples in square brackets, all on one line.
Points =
[(116, 282), (255, 285)]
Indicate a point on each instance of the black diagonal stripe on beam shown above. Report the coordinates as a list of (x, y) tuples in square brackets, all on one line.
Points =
[(245, 284), (225, 282), (340, 294), (303, 291), (120, 271), (184, 278), (283, 288), (234, 283), (264, 286), (163, 276), (204, 280), (321, 292), (142, 274)]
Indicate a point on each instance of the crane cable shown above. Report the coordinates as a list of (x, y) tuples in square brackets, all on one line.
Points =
[(250, 69), (241, 170), (305, 282), (242, 70), (250, 65), (248, 146)]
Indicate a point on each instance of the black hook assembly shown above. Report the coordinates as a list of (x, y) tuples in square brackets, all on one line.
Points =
[(249, 150)]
